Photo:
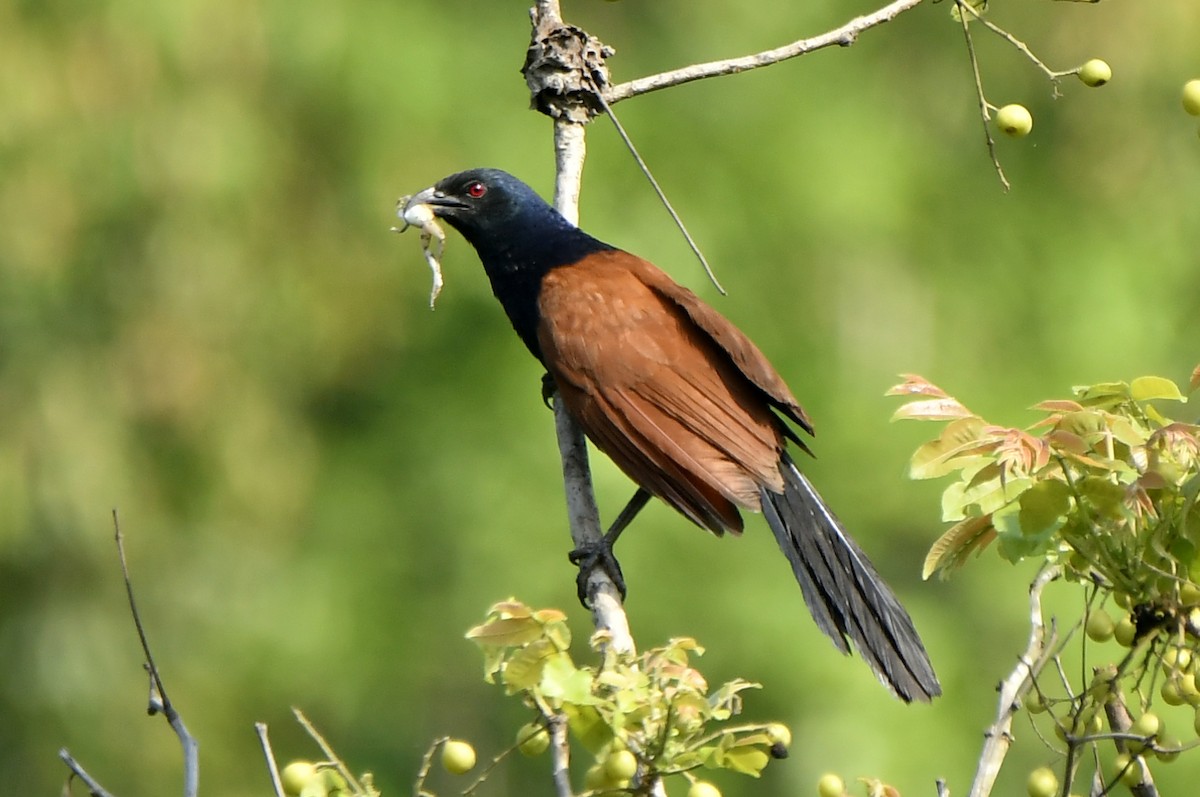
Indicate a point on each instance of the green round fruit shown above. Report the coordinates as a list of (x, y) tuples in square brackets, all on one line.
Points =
[(1035, 703), (620, 765), (1146, 725), (458, 757), (831, 785), (296, 775), (1129, 770), (1125, 631), (779, 733), (702, 788), (1189, 593), (595, 779), (1095, 73), (1168, 750), (1099, 626), (1042, 783), (1015, 120), (1172, 693), (533, 739), (1191, 97)]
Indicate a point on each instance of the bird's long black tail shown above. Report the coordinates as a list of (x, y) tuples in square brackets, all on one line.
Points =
[(847, 598)]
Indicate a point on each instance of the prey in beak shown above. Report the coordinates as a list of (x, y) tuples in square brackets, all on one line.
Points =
[(418, 211)]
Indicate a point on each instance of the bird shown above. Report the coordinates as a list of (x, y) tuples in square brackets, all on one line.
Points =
[(680, 400)]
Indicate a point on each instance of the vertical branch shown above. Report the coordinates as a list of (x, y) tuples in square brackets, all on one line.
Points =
[(603, 597)]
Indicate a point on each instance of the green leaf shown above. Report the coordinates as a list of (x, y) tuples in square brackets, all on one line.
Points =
[(737, 757), (562, 680), (506, 631), (1105, 394), (588, 727), (727, 701), (952, 450), (987, 492), (953, 547), (1103, 496), (1015, 542), (938, 409), (1044, 507), (523, 670), (1148, 388)]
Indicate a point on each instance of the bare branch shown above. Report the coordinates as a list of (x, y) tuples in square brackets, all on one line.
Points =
[(1014, 688), (159, 702), (273, 768), (560, 749), (842, 37), (94, 788), (603, 597)]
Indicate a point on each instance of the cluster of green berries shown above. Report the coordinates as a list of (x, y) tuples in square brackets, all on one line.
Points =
[(1016, 121)]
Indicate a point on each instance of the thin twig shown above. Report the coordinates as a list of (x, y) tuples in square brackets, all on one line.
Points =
[(1014, 688), (426, 764), (327, 751), (94, 788), (842, 37), (1017, 43), (983, 103), (261, 729), (658, 190), (159, 702)]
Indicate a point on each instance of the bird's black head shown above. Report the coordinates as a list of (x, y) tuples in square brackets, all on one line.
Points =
[(517, 235), (491, 208)]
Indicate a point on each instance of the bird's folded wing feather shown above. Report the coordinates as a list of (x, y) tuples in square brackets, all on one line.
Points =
[(655, 391)]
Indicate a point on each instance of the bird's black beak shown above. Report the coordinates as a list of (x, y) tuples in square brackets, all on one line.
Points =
[(438, 202)]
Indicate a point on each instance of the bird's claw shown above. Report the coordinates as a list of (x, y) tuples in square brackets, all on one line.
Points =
[(596, 556), (549, 390)]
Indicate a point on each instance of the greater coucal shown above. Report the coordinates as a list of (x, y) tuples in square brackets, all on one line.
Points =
[(680, 399)]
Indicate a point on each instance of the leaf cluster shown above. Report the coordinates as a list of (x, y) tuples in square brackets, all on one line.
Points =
[(1103, 484), (656, 704)]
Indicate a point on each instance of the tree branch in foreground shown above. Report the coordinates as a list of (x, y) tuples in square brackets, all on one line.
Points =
[(1013, 688), (603, 597), (843, 36)]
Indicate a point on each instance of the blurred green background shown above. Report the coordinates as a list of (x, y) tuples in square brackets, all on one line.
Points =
[(205, 323)]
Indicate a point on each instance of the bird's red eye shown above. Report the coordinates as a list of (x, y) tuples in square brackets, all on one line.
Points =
[(476, 189)]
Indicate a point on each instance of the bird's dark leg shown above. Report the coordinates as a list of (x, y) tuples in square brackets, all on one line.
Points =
[(587, 558), (549, 390)]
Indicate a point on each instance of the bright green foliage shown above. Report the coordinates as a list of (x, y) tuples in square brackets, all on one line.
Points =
[(1104, 489), (1103, 484), (654, 710)]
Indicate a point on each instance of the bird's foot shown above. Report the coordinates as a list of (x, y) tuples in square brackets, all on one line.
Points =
[(549, 390), (588, 558)]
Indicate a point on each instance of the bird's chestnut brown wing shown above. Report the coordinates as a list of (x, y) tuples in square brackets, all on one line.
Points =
[(653, 390)]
